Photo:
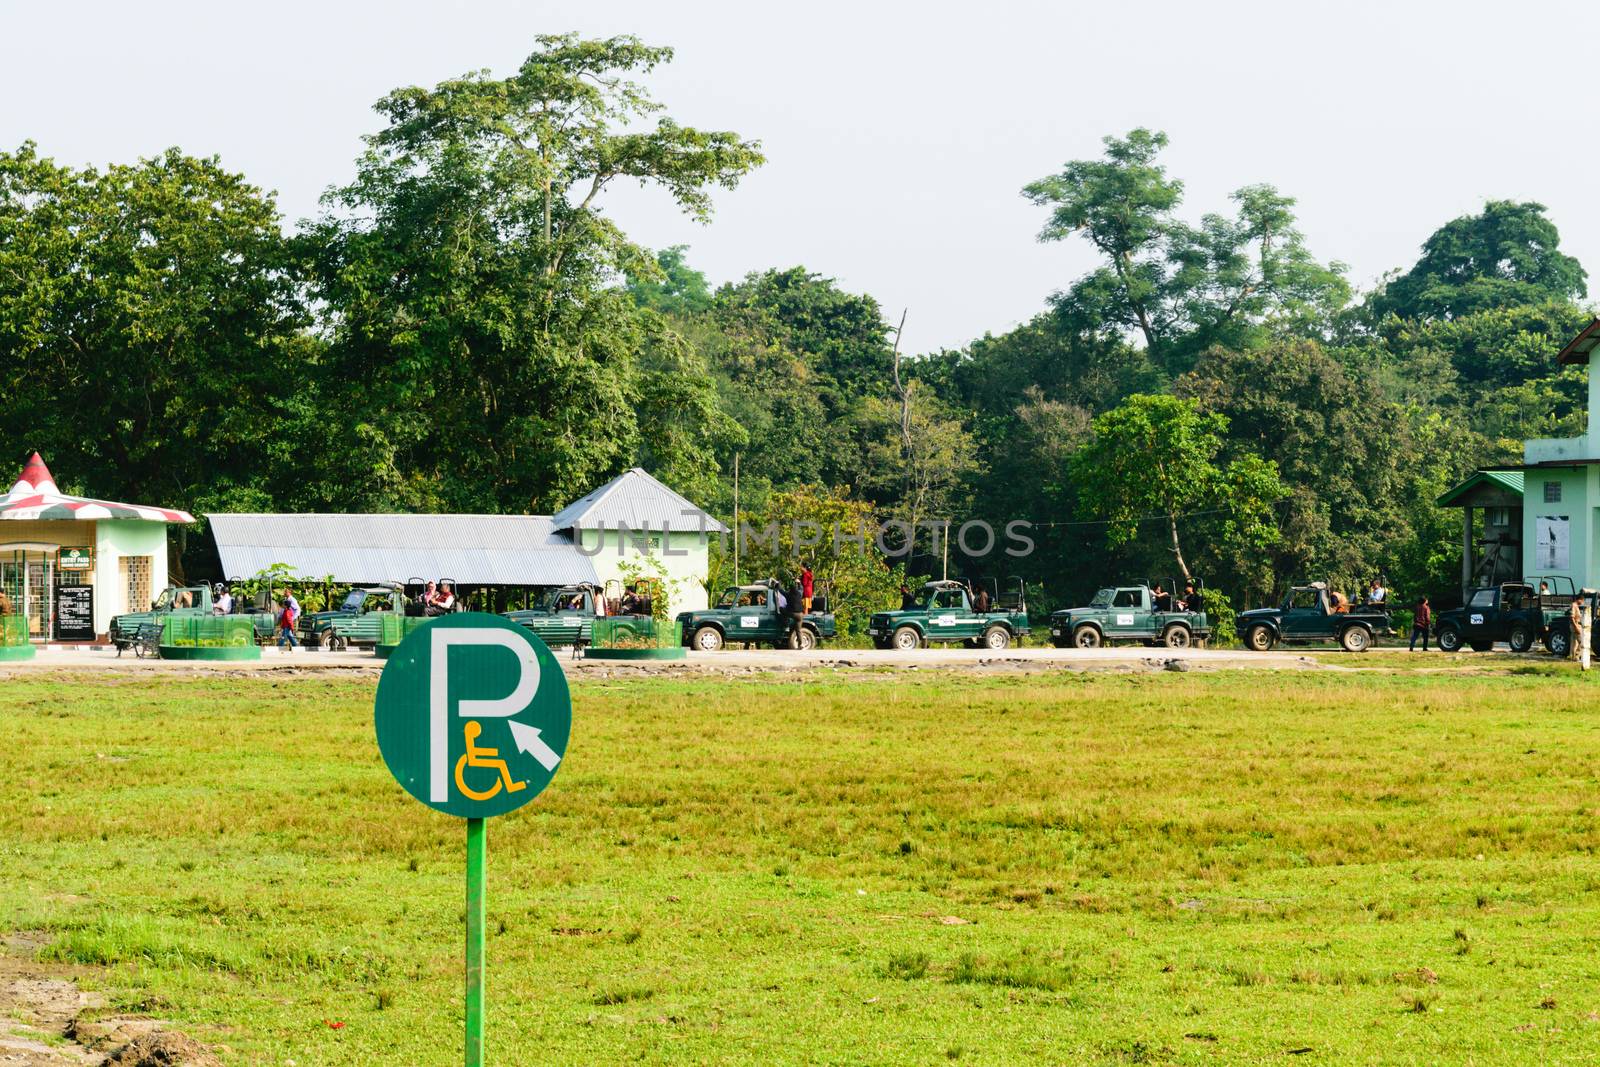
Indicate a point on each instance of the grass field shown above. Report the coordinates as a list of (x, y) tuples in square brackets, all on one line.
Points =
[(1304, 867)]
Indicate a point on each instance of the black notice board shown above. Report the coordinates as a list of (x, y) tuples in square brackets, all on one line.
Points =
[(75, 613)]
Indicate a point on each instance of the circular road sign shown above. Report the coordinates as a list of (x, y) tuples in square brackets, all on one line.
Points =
[(473, 715)]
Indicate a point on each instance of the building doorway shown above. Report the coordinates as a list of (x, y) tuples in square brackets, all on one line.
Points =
[(28, 584)]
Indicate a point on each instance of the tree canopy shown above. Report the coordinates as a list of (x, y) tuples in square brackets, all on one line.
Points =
[(1506, 255), (468, 326)]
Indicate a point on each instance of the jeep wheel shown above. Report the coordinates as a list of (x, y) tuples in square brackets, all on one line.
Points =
[(1355, 639), (1560, 642), (1086, 637), (1176, 637), (804, 639), (996, 638), (1449, 639), (1521, 638), (906, 638), (1259, 639), (708, 639)]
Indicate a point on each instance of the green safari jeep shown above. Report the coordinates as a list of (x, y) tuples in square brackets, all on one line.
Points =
[(355, 621), (175, 600), (1127, 613), (748, 613), (943, 611), (563, 616)]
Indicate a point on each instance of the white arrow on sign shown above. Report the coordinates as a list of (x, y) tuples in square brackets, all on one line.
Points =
[(529, 741)]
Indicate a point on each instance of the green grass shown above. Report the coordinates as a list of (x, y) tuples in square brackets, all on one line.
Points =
[(1378, 865)]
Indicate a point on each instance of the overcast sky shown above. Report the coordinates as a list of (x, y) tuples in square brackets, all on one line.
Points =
[(897, 136)]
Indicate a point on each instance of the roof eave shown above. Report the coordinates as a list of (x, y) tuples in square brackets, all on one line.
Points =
[(1576, 351)]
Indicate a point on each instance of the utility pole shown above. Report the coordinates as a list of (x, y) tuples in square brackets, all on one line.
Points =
[(736, 518)]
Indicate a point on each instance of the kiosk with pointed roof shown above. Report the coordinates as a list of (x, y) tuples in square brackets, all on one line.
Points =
[(70, 563)]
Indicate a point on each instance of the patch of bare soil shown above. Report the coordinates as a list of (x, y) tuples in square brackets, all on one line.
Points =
[(47, 1021)]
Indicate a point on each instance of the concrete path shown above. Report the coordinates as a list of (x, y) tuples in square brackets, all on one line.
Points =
[(728, 661)]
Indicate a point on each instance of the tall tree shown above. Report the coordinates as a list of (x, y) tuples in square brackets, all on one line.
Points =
[(1157, 457), (483, 346), (1506, 255), (1183, 288), (797, 358), (149, 328), (1338, 446)]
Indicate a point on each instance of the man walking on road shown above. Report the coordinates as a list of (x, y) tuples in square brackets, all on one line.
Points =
[(1420, 624)]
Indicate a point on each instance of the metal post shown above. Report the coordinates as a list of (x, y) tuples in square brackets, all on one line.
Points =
[(1466, 553), (475, 924), (736, 518)]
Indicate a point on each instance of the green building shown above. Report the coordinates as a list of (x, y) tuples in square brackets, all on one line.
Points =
[(1538, 520)]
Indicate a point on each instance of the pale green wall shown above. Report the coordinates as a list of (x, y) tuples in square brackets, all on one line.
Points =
[(689, 569), (1578, 486), (115, 538)]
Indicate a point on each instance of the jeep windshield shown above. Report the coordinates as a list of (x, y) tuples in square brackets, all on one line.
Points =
[(354, 600), (556, 600), (743, 598), (1103, 598), (171, 598)]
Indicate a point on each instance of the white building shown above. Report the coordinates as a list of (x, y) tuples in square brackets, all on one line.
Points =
[(598, 539)]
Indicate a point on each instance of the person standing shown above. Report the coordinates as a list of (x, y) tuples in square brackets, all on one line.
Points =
[(1574, 627), (907, 601), (287, 617), (980, 602), (1582, 643), (1420, 624), (797, 601), (808, 585)]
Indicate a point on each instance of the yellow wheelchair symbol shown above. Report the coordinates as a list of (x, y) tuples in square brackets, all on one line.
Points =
[(483, 757)]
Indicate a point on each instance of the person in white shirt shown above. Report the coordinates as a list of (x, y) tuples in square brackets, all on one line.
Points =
[(223, 605), (1377, 594)]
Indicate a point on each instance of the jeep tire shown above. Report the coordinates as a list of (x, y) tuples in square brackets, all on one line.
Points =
[(905, 639)]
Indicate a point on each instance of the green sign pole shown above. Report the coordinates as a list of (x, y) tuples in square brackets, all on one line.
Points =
[(473, 717), (476, 913)]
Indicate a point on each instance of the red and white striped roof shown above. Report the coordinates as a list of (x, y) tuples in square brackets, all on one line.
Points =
[(35, 496)]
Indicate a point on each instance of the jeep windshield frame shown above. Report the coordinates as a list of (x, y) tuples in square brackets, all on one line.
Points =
[(1103, 598)]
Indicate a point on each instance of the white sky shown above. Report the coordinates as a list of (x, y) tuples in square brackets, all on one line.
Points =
[(898, 136)]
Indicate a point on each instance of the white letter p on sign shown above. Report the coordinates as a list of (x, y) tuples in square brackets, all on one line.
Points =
[(496, 708)]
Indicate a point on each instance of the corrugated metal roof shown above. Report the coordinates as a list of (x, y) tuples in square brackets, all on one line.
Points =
[(472, 549), (1511, 481), (635, 500)]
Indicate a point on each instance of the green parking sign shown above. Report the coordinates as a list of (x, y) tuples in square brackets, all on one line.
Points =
[(473, 715)]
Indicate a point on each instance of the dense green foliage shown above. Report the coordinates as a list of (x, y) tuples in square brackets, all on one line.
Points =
[(466, 328)]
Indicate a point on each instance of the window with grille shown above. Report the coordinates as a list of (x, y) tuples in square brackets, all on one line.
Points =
[(136, 582), (1552, 492)]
